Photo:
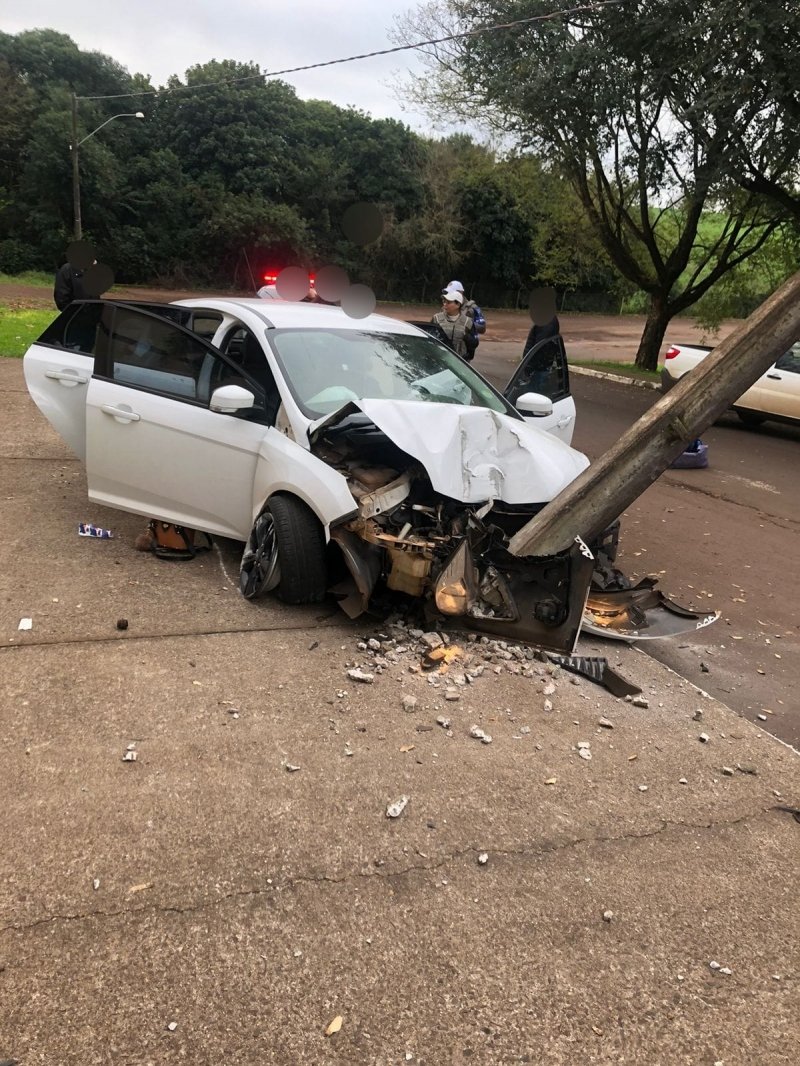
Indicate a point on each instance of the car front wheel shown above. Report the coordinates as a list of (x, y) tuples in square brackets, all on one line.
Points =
[(285, 553)]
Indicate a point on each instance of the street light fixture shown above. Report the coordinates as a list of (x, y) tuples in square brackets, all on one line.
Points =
[(76, 177)]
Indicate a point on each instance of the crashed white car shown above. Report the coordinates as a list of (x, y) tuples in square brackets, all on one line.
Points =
[(350, 455)]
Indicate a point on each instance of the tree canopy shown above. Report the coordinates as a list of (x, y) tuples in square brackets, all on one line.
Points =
[(636, 103)]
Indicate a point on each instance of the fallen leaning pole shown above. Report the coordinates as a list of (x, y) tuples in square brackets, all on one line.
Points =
[(601, 493)]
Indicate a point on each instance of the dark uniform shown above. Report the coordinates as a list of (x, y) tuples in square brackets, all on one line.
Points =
[(68, 286)]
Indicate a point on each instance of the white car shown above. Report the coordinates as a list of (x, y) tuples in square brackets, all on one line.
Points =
[(348, 454), (775, 396)]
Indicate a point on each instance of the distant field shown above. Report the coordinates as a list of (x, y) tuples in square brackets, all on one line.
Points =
[(19, 328), (28, 277)]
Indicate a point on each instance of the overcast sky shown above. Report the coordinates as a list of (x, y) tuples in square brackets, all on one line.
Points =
[(164, 37)]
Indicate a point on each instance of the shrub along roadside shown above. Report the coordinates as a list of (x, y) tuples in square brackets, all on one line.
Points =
[(20, 328)]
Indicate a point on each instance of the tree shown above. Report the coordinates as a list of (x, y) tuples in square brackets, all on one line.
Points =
[(748, 84), (567, 253), (600, 95)]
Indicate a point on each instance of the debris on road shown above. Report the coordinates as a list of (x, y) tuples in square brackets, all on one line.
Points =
[(608, 916), (394, 810), (605, 723), (704, 738), (443, 721), (334, 1026), (727, 771), (96, 883), (89, 529), (640, 701), (596, 668), (478, 734), (643, 788), (483, 858), (143, 887), (122, 623), (409, 703), (355, 674), (172, 1026), (291, 767), (25, 624)]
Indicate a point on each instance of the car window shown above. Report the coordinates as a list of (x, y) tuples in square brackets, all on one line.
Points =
[(205, 323), (147, 351), (80, 327), (790, 361), (544, 370), (152, 353), (325, 368)]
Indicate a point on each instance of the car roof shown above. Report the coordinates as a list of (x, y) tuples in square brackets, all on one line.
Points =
[(283, 314)]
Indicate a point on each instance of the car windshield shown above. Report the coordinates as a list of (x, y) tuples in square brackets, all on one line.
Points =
[(326, 368)]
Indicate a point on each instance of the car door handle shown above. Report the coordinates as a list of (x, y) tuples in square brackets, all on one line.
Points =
[(122, 414), (775, 377), (66, 377), (564, 421)]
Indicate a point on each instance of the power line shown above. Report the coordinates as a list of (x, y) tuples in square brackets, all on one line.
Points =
[(366, 55)]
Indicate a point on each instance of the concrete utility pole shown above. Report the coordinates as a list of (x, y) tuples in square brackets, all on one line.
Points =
[(77, 233), (602, 492)]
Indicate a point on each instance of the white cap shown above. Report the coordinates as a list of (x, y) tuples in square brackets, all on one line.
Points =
[(455, 285), (453, 294)]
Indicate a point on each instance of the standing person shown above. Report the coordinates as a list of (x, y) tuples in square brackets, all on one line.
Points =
[(545, 326), (455, 323), (545, 320), (475, 313), (68, 286)]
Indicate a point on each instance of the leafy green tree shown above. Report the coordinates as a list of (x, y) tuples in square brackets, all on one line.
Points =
[(598, 93), (736, 74)]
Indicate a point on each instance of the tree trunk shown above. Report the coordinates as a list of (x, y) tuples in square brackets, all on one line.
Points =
[(658, 317)]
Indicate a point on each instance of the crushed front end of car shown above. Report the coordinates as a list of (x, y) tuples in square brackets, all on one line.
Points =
[(453, 553)]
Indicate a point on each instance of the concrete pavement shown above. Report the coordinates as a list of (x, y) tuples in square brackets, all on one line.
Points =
[(206, 904)]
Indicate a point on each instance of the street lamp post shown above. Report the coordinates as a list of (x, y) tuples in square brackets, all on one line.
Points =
[(76, 175)]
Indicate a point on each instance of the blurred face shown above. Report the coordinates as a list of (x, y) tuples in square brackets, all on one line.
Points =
[(451, 307)]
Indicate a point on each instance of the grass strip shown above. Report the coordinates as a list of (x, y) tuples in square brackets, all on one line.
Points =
[(19, 328)]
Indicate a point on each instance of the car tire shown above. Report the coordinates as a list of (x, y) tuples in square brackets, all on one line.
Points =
[(285, 553), (750, 418)]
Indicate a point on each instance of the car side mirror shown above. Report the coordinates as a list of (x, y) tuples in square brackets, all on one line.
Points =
[(535, 404), (228, 399)]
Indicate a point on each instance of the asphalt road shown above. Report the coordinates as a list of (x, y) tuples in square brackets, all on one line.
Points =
[(722, 538)]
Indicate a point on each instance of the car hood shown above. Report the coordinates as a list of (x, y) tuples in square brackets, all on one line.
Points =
[(472, 454)]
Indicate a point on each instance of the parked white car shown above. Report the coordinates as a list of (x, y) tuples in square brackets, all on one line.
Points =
[(348, 454), (775, 396)]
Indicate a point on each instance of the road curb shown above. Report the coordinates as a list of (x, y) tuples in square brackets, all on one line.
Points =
[(586, 371)]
